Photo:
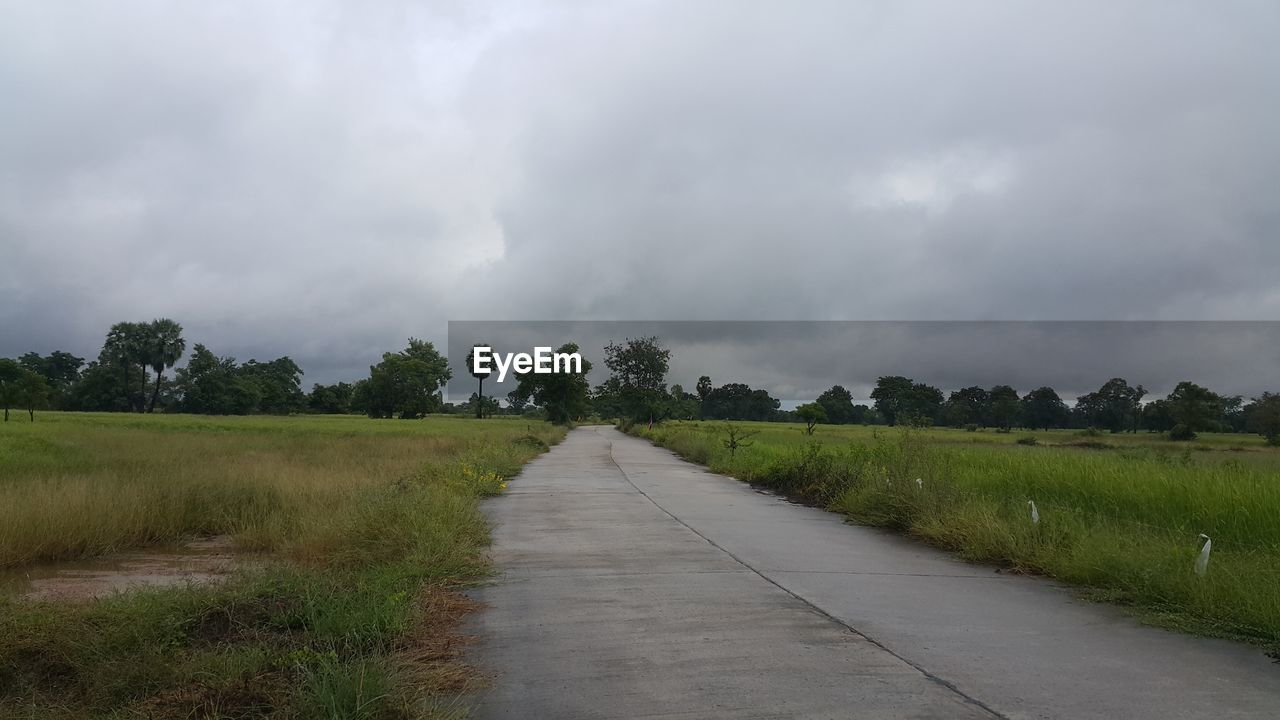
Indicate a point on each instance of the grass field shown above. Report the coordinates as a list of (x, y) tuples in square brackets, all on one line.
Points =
[(362, 527), (1120, 515)]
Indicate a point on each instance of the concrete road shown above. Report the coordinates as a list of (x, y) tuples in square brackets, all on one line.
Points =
[(636, 585)]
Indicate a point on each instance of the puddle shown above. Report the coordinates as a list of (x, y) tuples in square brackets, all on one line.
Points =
[(197, 561)]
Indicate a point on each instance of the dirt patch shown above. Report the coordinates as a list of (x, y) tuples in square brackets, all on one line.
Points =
[(200, 560)]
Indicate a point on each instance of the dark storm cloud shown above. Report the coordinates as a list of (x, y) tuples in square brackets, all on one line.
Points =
[(325, 179)]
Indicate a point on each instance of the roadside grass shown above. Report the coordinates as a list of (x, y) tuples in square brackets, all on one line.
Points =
[(1122, 521), (371, 527)]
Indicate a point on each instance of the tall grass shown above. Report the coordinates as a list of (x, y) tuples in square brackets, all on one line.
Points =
[(369, 524), (1123, 521)]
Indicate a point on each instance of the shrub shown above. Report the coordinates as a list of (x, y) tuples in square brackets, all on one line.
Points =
[(971, 427), (1182, 432), (1027, 440)]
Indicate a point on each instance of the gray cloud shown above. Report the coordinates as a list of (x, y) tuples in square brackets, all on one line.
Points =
[(324, 179)]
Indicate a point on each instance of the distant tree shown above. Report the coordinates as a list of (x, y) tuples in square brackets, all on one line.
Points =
[(1116, 406), (481, 377), (837, 403), (160, 346), (864, 415), (1157, 416), (892, 396), (516, 403), (704, 387), (1042, 408), (606, 399), (683, 405), (33, 393), (640, 368), (1263, 417), (1194, 409), (564, 396), (279, 385), (61, 371), (10, 382), (1233, 416), (736, 401), (331, 399), (811, 414), (125, 349), (1004, 407), (408, 382), (481, 406), (968, 406), (213, 385)]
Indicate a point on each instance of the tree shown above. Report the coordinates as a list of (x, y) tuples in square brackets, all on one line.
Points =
[(279, 385), (124, 348), (683, 405), (564, 396), (736, 401), (482, 406), (407, 383), (837, 403), (33, 393), (161, 346), (331, 399), (1157, 417), (1233, 415), (1194, 409), (892, 396), (10, 380), (968, 406), (901, 399), (1043, 409), (61, 371), (1115, 406), (471, 368), (213, 385), (640, 368), (1004, 407), (812, 414), (704, 387), (1263, 417)]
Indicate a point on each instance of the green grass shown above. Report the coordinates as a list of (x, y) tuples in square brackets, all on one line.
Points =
[(365, 527), (1120, 514)]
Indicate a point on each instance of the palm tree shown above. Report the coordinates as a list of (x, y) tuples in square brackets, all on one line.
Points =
[(480, 377), (164, 346)]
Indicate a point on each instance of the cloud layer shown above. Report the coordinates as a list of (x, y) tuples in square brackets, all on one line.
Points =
[(324, 179)]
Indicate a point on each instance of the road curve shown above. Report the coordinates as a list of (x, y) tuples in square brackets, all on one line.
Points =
[(636, 585)]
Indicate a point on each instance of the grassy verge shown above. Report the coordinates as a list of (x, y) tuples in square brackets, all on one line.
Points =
[(372, 525), (1122, 521)]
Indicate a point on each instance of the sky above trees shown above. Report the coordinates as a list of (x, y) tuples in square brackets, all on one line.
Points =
[(324, 179)]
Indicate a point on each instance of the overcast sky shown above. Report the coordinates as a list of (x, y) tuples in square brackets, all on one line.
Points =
[(324, 179)]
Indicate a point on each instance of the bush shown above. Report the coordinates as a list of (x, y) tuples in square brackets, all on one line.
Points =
[(971, 427), (1027, 440), (1089, 432), (1182, 432)]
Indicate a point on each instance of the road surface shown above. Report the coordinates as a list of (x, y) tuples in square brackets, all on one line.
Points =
[(633, 584)]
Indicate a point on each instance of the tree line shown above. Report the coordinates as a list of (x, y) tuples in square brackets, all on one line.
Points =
[(129, 376)]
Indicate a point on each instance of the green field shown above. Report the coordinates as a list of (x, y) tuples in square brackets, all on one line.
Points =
[(358, 529), (1120, 515)]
